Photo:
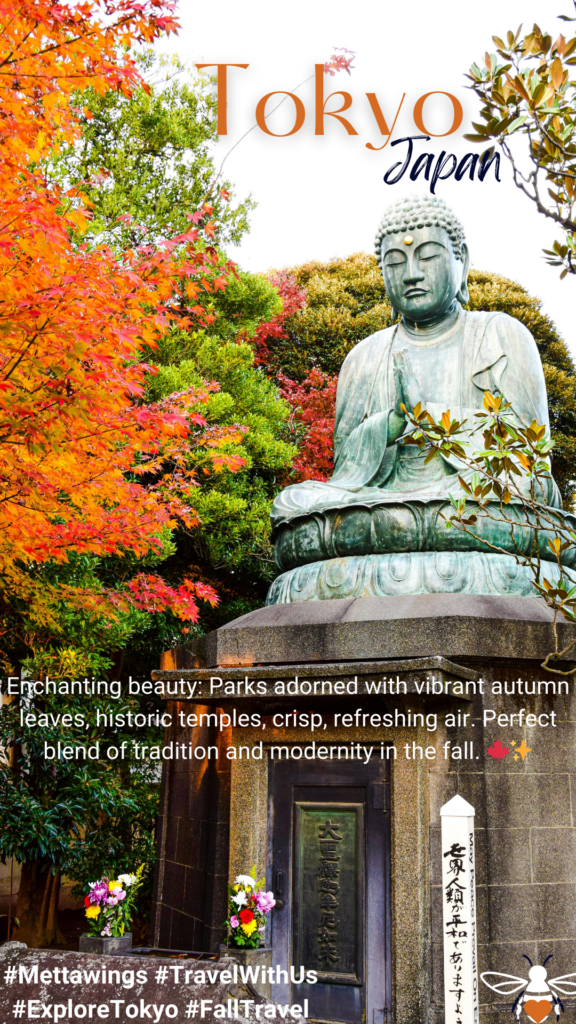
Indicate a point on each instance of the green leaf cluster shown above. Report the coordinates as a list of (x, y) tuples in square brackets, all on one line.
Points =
[(234, 507), (148, 157), (235, 313), (346, 302)]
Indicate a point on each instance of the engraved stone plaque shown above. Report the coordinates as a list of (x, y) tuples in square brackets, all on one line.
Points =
[(329, 891)]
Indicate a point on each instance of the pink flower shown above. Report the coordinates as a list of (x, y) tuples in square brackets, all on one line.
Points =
[(120, 895), (112, 901), (265, 901), (234, 921), (99, 892)]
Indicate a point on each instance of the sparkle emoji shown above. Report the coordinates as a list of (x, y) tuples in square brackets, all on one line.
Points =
[(520, 751)]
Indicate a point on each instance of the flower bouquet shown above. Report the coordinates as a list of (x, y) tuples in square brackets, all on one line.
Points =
[(247, 909), (110, 904)]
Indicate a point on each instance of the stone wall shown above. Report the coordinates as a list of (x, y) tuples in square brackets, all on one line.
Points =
[(193, 829), (525, 841), (525, 824)]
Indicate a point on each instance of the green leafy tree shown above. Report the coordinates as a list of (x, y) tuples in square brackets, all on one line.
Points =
[(97, 816), (144, 159), (93, 813), (230, 549), (144, 163), (77, 812)]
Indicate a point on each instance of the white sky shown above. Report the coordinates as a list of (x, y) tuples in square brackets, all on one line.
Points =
[(323, 196)]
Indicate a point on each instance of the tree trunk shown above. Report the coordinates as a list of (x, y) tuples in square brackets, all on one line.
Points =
[(37, 906)]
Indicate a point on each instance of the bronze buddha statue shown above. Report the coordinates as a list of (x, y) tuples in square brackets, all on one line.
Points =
[(376, 526)]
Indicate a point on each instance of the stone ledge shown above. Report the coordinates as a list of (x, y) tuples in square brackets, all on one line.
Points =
[(452, 626), (78, 982)]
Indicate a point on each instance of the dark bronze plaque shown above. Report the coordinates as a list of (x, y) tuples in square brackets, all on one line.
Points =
[(329, 890)]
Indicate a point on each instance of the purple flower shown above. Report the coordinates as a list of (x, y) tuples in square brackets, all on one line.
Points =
[(234, 921), (265, 901), (99, 892)]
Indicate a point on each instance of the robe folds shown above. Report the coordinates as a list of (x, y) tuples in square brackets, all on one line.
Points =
[(496, 353)]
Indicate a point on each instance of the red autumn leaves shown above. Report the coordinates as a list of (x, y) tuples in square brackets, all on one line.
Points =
[(497, 750)]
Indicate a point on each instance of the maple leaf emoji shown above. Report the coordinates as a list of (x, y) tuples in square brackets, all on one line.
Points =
[(497, 750)]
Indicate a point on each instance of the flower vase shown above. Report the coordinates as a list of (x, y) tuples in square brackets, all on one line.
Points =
[(108, 945), (261, 957)]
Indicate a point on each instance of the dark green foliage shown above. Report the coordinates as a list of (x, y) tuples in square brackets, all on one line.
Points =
[(234, 508), (246, 301), (83, 815)]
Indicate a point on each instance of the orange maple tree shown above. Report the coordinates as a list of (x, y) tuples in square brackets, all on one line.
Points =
[(85, 464)]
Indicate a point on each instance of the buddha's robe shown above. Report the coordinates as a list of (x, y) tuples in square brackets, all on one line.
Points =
[(479, 352)]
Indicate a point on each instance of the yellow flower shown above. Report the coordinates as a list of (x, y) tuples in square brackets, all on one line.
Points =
[(112, 885), (249, 928), (93, 911)]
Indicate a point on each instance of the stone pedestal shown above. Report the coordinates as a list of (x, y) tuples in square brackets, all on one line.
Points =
[(472, 627), (108, 945), (449, 651), (256, 958)]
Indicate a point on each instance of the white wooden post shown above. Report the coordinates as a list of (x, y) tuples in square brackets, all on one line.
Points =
[(459, 913)]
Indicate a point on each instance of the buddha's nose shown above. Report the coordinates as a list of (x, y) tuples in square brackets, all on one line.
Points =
[(413, 273)]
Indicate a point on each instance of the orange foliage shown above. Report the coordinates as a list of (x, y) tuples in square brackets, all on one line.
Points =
[(74, 433)]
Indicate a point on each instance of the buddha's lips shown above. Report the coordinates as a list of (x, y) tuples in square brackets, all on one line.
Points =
[(537, 1009), (414, 293)]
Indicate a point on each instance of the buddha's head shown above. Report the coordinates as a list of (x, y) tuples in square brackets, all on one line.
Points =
[(424, 258)]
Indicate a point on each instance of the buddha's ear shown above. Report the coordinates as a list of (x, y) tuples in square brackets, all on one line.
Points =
[(393, 312), (463, 295)]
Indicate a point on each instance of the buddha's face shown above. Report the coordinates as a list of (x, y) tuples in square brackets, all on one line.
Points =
[(421, 273)]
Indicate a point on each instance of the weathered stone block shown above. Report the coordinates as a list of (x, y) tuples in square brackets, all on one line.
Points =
[(108, 945), (522, 800), (77, 979), (252, 958), (508, 851), (553, 854), (525, 912)]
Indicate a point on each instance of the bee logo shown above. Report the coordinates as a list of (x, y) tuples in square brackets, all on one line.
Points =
[(538, 996)]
